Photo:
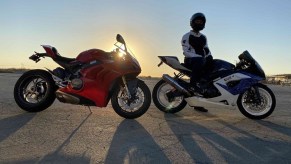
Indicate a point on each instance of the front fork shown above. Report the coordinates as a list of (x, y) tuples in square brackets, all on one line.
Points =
[(257, 93), (130, 87), (254, 95), (126, 87)]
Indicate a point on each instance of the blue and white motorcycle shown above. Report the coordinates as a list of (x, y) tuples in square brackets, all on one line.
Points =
[(225, 83)]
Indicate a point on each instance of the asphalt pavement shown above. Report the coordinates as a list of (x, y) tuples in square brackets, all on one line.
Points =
[(66, 133)]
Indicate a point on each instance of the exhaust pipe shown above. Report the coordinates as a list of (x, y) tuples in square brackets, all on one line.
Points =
[(174, 84), (67, 98)]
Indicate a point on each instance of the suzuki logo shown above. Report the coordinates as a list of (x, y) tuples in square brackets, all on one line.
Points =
[(228, 78)]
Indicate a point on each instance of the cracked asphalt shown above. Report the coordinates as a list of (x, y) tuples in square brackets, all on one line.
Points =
[(67, 133)]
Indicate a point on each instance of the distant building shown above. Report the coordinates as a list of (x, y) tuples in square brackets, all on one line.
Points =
[(284, 79)]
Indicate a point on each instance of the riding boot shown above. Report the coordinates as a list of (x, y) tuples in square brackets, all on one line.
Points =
[(200, 109)]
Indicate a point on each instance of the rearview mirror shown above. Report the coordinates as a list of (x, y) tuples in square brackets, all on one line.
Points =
[(120, 39)]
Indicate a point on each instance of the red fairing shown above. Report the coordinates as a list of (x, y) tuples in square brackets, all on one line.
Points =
[(92, 54), (49, 51), (99, 77)]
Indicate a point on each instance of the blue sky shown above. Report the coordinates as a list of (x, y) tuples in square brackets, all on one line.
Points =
[(151, 28)]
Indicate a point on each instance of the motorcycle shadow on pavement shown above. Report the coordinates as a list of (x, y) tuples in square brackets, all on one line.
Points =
[(276, 127), (16, 122), (132, 142), (10, 125), (207, 145), (62, 158)]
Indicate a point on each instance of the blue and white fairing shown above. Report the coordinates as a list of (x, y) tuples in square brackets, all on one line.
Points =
[(229, 80), (247, 73), (245, 80), (229, 94)]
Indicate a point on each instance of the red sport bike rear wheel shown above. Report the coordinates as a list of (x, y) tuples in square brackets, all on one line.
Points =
[(35, 91)]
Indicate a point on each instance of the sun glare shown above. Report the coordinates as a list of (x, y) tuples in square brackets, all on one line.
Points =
[(121, 53)]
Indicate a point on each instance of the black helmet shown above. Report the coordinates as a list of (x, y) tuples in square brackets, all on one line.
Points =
[(197, 27)]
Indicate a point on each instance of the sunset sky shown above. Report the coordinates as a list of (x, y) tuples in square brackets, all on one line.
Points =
[(151, 28)]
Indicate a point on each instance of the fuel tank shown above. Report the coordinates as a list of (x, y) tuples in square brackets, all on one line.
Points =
[(93, 54)]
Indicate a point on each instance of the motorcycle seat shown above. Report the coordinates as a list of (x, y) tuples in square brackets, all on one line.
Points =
[(184, 65), (64, 59), (188, 73), (68, 63), (60, 58)]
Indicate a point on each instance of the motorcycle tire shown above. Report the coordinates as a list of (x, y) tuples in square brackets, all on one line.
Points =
[(116, 101), (35, 90), (167, 108), (252, 110)]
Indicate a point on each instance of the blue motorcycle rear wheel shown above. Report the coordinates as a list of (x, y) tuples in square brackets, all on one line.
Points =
[(161, 100)]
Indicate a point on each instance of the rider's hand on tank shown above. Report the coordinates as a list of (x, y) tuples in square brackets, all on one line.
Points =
[(208, 61)]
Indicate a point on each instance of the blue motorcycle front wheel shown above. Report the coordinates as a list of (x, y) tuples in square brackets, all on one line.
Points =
[(258, 102)]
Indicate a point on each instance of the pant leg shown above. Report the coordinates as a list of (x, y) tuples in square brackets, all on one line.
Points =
[(196, 64)]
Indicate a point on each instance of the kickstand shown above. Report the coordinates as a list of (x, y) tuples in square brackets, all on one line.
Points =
[(89, 109)]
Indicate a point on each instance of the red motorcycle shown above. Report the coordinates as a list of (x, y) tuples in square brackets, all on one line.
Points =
[(91, 79)]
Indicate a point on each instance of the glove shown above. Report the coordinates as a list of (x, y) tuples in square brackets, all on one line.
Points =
[(208, 62)]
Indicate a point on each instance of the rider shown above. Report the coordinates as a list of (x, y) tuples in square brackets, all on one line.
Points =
[(196, 51), (197, 54)]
